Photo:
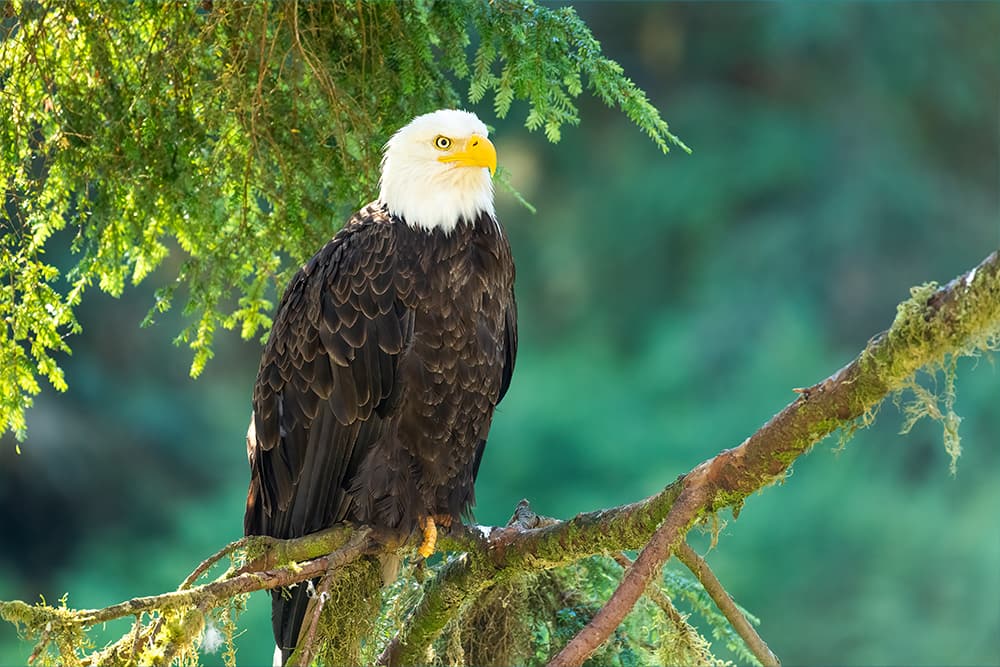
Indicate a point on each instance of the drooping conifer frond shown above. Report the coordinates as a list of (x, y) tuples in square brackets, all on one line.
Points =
[(224, 142)]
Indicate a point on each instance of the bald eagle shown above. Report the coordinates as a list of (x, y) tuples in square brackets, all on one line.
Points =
[(389, 352)]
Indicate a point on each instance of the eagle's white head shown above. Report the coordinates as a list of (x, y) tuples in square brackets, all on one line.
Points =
[(437, 170)]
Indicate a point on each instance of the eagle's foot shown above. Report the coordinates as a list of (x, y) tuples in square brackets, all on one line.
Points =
[(430, 527), (430, 537)]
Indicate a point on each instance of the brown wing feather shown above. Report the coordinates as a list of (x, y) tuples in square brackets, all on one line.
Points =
[(327, 374), (510, 349)]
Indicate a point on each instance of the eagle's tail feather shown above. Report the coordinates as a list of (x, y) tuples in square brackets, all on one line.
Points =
[(288, 609)]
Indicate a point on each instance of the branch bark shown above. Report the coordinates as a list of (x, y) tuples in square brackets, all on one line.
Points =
[(637, 578), (700, 569), (662, 600)]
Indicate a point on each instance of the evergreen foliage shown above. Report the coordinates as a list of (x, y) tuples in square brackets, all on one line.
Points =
[(519, 621), (226, 142), (527, 619)]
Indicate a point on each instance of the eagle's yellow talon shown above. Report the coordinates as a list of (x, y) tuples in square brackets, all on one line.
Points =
[(430, 538)]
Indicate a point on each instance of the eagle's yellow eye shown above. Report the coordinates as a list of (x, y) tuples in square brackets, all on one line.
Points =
[(442, 142)]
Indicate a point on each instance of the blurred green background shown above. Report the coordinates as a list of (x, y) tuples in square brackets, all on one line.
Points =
[(842, 153)]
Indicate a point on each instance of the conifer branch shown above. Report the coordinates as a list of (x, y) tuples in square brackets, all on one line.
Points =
[(336, 75)]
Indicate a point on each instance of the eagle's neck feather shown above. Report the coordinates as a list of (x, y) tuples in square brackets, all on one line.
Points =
[(439, 200)]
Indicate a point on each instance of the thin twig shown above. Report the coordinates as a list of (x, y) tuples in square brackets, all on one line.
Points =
[(203, 567), (43, 641), (137, 632), (210, 561), (305, 650), (725, 603)]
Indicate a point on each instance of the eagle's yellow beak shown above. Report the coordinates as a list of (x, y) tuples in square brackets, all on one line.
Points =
[(477, 152)]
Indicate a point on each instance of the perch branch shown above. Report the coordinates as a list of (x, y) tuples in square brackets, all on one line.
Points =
[(700, 569), (210, 594), (265, 553), (932, 324)]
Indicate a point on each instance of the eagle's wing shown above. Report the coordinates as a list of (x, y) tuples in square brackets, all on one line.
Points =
[(510, 346), (327, 381)]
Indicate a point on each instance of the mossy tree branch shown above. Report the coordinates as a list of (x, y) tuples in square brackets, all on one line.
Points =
[(931, 326), (211, 593)]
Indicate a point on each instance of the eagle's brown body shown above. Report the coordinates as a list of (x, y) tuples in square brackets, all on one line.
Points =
[(389, 352)]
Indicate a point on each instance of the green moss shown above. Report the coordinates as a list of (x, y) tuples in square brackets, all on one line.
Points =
[(497, 629), (255, 547), (349, 613), (930, 336), (225, 619), (57, 628), (684, 647), (527, 619), (727, 498), (177, 640), (936, 404)]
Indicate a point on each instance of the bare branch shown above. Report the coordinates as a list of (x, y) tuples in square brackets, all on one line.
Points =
[(726, 605), (306, 647), (636, 580), (662, 600), (207, 564)]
